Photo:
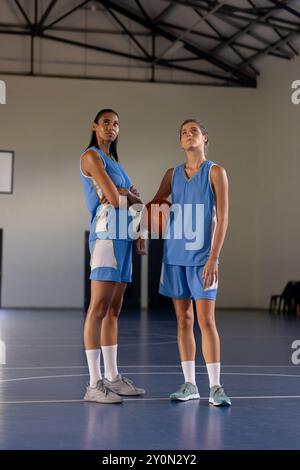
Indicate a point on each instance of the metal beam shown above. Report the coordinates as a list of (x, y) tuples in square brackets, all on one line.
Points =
[(294, 51), (153, 55), (265, 51), (232, 47), (286, 7), (184, 59), (18, 33), (282, 23), (244, 78), (188, 30), (92, 47), (196, 4), (239, 33), (139, 58), (68, 13), (46, 13), (128, 32), (24, 14), (32, 37), (94, 77), (68, 29), (207, 4), (254, 35), (164, 13), (239, 44), (142, 9)]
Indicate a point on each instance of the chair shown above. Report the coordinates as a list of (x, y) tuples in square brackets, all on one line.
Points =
[(288, 301)]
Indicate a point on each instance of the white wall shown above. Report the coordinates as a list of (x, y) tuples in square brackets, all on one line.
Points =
[(277, 183), (47, 121)]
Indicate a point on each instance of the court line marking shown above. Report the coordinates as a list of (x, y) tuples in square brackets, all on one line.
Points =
[(139, 366), (33, 402), (36, 346), (21, 379)]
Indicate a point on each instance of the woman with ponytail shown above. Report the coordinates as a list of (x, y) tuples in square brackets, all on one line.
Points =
[(199, 188), (108, 191)]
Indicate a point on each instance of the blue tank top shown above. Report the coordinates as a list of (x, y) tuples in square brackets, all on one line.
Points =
[(105, 219), (192, 220)]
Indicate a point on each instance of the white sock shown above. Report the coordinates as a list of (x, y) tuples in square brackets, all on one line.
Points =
[(213, 370), (93, 360), (188, 368), (110, 362)]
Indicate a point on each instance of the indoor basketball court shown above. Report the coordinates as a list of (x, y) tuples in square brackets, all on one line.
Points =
[(152, 342)]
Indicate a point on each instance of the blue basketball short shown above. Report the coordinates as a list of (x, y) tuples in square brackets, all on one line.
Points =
[(111, 260), (185, 282)]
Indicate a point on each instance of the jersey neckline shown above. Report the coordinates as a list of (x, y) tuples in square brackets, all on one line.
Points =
[(104, 154), (198, 171)]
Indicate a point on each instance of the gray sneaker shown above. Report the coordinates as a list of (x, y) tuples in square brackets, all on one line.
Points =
[(218, 397), (101, 394), (187, 391), (123, 386)]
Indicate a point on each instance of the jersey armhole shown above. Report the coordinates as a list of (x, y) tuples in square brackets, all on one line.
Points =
[(172, 177), (104, 162), (209, 178)]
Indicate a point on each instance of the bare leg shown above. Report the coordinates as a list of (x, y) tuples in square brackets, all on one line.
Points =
[(185, 332), (109, 331), (109, 339), (210, 337), (101, 295)]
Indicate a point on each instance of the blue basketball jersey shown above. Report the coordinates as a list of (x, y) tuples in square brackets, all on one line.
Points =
[(105, 219), (192, 220)]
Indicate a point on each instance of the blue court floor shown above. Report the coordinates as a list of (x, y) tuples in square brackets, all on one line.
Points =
[(43, 382)]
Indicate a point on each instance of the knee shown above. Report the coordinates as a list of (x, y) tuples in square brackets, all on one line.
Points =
[(98, 309), (115, 310), (207, 324), (185, 321)]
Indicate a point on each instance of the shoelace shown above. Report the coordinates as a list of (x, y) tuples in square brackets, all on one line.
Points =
[(219, 389), (102, 388), (183, 388), (127, 381)]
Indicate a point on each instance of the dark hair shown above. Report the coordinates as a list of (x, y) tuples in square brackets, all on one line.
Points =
[(113, 151), (201, 127)]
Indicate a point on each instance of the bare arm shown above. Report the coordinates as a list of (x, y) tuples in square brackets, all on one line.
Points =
[(220, 187), (93, 166), (164, 189), (134, 196)]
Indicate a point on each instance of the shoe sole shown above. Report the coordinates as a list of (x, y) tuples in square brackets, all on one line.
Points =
[(194, 396), (223, 403), (103, 401)]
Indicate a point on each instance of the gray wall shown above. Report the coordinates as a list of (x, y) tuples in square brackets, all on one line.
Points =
[(47, 123), (277, 181)]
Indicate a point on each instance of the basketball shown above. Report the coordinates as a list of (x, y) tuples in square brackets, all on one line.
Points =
[(155, 217)]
